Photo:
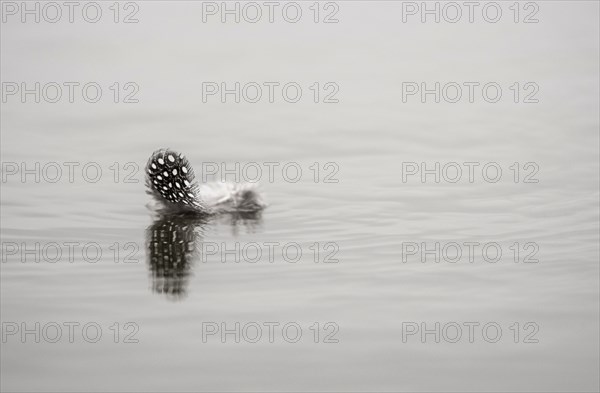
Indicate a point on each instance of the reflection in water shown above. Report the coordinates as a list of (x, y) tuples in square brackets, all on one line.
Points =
[(173, 243), (250, 221)]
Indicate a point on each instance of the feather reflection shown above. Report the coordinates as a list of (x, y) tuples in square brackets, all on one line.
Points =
[(174, 244)]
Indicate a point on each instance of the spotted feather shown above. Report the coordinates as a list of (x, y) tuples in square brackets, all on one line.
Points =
[(170, 179)]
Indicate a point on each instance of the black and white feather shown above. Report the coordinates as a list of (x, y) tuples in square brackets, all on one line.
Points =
[(171, 181)]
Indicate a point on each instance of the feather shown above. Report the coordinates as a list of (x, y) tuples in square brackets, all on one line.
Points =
[(171, 181)]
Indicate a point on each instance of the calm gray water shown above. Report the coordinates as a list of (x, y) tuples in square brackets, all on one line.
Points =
[(371, 218)]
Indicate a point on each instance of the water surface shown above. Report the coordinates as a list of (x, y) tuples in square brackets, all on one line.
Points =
[(367, 215)]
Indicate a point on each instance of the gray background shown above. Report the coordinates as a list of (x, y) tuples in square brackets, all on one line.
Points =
[(369, 213)]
